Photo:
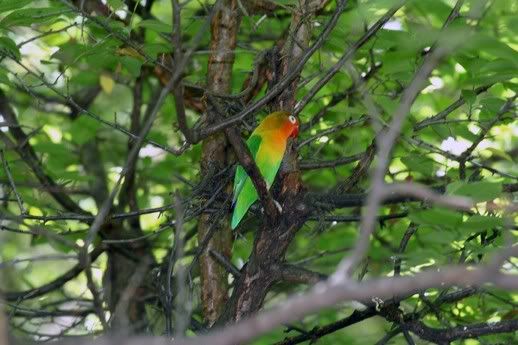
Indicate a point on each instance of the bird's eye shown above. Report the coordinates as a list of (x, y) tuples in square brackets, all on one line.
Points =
[(292, 119)]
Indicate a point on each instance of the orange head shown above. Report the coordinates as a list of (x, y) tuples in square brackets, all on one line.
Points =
[(280, 121)]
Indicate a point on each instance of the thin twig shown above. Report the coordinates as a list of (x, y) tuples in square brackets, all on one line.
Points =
[(11, 183)]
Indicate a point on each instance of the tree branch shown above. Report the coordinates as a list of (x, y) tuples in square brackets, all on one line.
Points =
[(446, 336), (245, 159), (439, 117), (385, 146), (294, 274), (349, 53), (319, 332), (285, 82), (53, 285), (27, 153)]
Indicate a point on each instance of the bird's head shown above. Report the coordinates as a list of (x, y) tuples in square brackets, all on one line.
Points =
[(281, 121), (293, 125)]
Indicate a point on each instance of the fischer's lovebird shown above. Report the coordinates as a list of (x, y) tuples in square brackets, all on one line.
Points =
[(267, 145)]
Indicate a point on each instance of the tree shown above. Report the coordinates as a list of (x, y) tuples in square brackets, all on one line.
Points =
[(121, 125)]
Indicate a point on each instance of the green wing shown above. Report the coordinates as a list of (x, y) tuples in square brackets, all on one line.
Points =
[(243, 196), (268, 159)]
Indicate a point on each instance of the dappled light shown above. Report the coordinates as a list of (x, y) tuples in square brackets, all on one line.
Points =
[(258, 172)]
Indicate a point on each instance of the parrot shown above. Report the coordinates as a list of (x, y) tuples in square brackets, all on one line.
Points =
[(267, 143)]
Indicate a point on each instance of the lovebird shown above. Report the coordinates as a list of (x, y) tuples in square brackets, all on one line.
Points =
[(267, 145)]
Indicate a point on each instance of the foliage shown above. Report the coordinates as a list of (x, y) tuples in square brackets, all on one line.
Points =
[(81, 83)]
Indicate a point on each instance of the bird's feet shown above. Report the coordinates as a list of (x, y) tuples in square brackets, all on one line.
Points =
[(278, 205)]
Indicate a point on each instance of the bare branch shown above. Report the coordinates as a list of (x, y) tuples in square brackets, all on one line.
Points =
[(385, 146), (11, 182), (439, 117), (423, 193), (313, 165), (295, 274), (223, 261), (53, 285), (182, 295), (446, 336), (27, 153), (319, 332), (278, 88), (327, 294), (348, 55)]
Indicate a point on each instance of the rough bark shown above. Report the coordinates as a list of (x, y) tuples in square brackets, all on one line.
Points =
[(272, 242), (215, 157), (3, 326)]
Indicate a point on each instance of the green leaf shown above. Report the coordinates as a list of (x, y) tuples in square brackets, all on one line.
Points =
[(83, 129), (490, 106), (498, 65), (155, 314), (153, 49), (462, 130), (469, 96), (492, 78), (431, 235), (30, 16), (478, 222), (500, 153), (395, 62), (419, 163), (132, 65), (9, 5), (107, 83), (512, 24), (116, 4), (69, 52), (433, 8), (478, 191), (437, 217), (4, 79), (155, 25), (494, 47), (9, 48)]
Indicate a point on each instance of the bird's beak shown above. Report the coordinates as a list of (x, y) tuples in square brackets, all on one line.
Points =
[(295, 130)]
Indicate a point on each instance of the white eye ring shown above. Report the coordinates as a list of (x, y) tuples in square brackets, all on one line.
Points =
[(292, 119)]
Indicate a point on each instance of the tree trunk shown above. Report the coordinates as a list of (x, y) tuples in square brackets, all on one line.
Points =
[(215, 157), (271, 243)]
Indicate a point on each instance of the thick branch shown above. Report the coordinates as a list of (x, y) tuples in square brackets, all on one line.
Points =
[(214, 278), (445, 336), (319, 332), (285, 82), (294, 274)]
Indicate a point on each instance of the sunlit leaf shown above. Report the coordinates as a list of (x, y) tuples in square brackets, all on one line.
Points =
[(478, 191), (107, 83), (155, 25)]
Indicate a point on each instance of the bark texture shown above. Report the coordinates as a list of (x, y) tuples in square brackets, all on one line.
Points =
[(3, 327), (272, 242), (215, 157)]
